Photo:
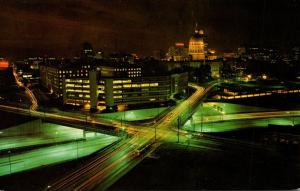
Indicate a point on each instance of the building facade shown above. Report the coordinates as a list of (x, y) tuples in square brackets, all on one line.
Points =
[(111, 84), (178, 53), (197, 45)]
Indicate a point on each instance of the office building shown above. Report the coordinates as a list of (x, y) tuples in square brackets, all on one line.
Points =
[(112, 83), (178, 53)]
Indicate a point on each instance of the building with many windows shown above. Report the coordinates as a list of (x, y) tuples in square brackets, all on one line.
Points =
[(52, 74), (178, 53), (110, 84), (197, 45)]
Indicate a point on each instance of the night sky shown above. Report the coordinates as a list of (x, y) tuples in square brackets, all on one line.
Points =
[(58, 27)]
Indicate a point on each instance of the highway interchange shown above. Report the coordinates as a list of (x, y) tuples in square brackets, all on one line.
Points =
[(103, 170)]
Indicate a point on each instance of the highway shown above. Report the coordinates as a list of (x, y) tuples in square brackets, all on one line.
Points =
[(12, 163), (34, 102), (48, 134), (107, 167), (245, 116), (127, 155)]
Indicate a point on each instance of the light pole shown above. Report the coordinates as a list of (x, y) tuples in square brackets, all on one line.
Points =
[(9, 161), (77, 148), (202, 111), (154, 133), (201, 122), (178, 124)]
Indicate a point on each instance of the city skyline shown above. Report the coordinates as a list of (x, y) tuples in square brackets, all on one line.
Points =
[(57, 28), (149, 95)]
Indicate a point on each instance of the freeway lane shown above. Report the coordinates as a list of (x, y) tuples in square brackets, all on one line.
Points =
[(105, 169), (49, 133), (223, 126), (123, 158), (243, 116), (50, 155)]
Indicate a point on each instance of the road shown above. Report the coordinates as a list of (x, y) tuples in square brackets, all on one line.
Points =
[(127, 155), (244, 116), (53, 154), (47, 134), (34, 103), (110, 165)]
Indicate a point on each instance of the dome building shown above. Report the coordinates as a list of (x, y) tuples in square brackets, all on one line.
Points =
[(197, 45)]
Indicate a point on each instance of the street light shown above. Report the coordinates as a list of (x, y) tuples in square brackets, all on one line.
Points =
[(77, 148), (9, 161), (178, 125), (154, 133)]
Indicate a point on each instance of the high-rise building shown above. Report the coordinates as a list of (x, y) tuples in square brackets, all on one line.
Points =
[(296, 53), (178, 52), (197, 45)]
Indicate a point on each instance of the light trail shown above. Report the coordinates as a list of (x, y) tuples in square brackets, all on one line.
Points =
[(107, 167), (34, 103)]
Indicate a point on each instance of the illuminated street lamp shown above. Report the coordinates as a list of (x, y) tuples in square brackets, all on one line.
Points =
[(77, 148), (178, 125), (264, 76), (155, 133), (9, 162)]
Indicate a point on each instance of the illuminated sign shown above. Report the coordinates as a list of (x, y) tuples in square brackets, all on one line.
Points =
[(3, 64), (179, 44)]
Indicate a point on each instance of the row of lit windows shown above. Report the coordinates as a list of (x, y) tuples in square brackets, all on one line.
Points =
[(79, 95), (121, 81), (136, 85), (134, 75), (77, 86), (71, 71), (76, 101), (140, 85), (197, 43), (74, 75), (134, 72), (117, 96), (77, 90), (127, 69), (77, 81), (117, 86)]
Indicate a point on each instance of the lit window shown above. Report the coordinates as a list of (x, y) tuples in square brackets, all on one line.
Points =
[(118, 96), (153, 84)]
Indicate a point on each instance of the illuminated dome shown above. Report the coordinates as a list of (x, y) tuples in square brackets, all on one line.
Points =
[(198, 35)]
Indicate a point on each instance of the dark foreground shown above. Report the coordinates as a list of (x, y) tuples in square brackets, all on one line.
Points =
[(216, 164)]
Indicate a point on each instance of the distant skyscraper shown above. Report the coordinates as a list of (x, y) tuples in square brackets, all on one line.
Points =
[(296, 53), (197, 45), (178, 52), (87, 49)]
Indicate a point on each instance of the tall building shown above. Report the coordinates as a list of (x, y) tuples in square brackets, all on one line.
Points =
[(178, 52), (197, 45), (296, 53)]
